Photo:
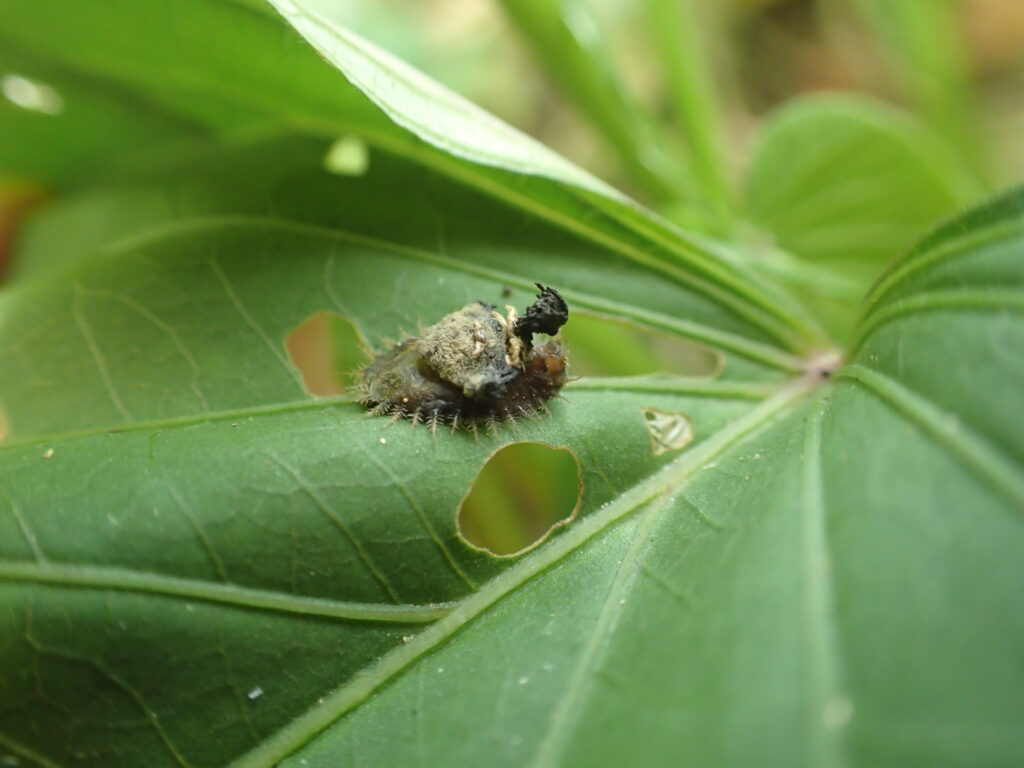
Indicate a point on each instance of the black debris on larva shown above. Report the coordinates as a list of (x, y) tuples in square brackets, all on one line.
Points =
[(546, 315), (474, 366)]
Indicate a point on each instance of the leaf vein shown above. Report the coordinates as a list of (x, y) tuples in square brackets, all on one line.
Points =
[(953, 299), (171, 333), (128, 690), (566, 712), (29, 754), (754, 350), (972, 451), (398, 483), (964, 245), (123, 580), (97, 356), (276, 350), (339, 522)]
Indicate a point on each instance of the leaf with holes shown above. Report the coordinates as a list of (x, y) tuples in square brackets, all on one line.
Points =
[(792, 562)]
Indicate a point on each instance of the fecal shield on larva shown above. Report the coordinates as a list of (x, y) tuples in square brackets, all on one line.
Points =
[(474, 365)]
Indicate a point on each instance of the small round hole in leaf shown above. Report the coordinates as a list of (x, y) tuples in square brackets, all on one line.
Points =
[(327, 349), (522, 493)]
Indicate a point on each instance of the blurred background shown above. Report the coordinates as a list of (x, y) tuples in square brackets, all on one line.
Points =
[(957, 63)]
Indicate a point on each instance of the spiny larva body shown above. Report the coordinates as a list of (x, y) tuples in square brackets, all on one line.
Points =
[(474, 365)]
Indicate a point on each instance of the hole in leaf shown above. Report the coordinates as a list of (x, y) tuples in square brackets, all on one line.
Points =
[(31, 94), (328, 350), (668, 431), (603, 347), (17, 199), (522, 493), (348, 156)]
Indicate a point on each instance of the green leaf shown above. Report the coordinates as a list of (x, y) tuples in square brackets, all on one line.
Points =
[(847, 183), (200, 564), (823, 581)]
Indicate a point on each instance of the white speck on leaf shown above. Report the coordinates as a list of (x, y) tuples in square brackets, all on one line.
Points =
[(255, 693), (48, 453), (524, 680)]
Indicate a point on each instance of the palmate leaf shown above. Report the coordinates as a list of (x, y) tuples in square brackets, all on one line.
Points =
[(200, 564), (843, 185)]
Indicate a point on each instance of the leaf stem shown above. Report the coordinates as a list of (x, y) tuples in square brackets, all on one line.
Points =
[(677, 32)]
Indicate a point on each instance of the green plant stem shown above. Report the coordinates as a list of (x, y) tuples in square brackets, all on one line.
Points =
[(577, 63), (677, 32), (922, 41)]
